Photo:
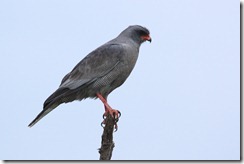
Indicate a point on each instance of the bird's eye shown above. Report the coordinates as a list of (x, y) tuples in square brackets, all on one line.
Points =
[(142, 32)]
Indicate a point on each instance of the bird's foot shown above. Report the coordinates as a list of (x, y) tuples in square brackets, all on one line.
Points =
[(115, 114)]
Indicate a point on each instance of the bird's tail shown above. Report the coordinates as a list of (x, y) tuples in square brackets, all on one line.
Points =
[(40, 116), (51, 103)]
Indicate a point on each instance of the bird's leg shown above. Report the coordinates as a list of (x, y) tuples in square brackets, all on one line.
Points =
[(108, 110)]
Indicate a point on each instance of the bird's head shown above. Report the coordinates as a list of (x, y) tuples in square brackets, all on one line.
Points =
[(138, 33)]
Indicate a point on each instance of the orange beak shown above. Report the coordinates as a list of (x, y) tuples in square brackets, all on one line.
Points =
[(147, 37)]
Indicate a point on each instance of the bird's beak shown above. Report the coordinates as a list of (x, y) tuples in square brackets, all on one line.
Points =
[(147, 37)]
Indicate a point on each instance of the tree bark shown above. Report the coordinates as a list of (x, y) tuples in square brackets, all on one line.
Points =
[(107, 144)]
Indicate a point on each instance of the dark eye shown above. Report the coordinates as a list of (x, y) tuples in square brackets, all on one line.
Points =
[(142, 32)]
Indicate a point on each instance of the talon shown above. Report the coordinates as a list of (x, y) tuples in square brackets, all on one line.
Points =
[(116, 120), (115, 114), (115, 127), (119, 114), (103, 124)]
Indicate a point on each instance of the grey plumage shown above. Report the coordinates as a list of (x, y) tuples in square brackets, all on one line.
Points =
[(101, 71)]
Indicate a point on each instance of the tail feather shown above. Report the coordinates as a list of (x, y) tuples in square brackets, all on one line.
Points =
[(40, 116), (58, 94), (51, 103), (61, 95)]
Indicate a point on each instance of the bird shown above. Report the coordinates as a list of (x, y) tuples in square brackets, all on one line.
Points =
[(100, 72)]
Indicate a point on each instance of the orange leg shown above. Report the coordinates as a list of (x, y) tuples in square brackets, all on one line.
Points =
[(108, 110)]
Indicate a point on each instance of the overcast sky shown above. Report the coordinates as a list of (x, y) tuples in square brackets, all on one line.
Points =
[(181, 102)]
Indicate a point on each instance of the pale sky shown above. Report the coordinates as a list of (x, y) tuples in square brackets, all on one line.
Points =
[(181, 102)]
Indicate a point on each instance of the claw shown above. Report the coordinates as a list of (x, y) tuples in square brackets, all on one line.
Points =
[(115, 124), (119, 114), (103, 124), (116, 120), (109, 111), (115, 115), (104, 116), (115, 127)]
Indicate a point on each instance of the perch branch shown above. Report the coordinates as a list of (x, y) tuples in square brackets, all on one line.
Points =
[(107, 143)]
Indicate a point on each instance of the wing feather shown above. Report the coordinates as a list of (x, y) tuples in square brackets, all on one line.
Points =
[(95, 65)]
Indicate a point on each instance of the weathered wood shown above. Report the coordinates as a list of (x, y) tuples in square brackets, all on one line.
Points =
[(107, 143)]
